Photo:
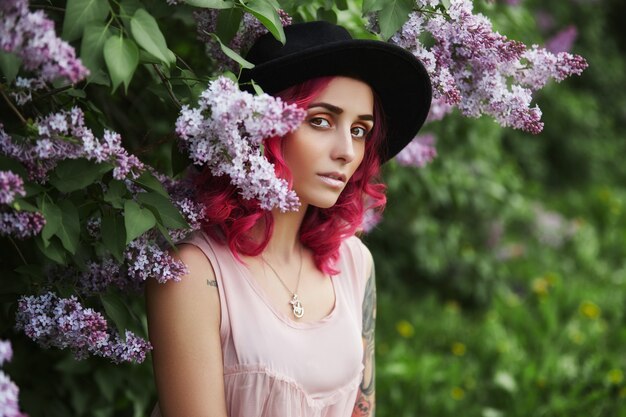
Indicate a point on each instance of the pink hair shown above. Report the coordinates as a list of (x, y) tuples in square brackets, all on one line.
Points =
[(230, 218)]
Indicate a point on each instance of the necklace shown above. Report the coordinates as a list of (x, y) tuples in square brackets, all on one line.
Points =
[(296, 304)]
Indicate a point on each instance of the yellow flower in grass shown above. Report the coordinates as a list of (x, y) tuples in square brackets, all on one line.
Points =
[(590, 310), (405, 329), (452, 306), (540, 286), (458, 349), (615, 376), (457, 393)]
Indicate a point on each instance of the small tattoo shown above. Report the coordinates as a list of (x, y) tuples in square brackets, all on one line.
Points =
[(211, 283)]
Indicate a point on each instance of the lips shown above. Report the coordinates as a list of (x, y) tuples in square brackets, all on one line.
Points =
[(334, 179)]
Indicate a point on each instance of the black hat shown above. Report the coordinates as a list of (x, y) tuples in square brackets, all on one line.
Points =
[(316, 49)]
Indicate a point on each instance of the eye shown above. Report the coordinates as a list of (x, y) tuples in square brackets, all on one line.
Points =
[(359, 132), (319, 122)]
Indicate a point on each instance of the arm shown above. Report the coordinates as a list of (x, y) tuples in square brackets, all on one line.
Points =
[(183, 324), (366, 401)]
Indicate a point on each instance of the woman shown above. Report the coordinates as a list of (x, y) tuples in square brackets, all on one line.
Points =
[(276, 316)]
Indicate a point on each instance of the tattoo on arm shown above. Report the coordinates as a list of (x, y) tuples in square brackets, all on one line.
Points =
[(211, 283), (365, 403)]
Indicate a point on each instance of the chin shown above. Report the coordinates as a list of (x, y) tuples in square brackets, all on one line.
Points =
[(322, 202)]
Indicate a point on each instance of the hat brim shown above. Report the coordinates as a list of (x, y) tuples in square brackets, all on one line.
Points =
[(398, 78)]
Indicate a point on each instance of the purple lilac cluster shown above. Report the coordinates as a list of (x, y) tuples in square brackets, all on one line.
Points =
[(249, 30), (145, 259), (10, 186), (480, 71), (52, 321), (32, 37), (563, 40), (419, 152), (63, 135), (21, 224), (225, 133), (8, 390)]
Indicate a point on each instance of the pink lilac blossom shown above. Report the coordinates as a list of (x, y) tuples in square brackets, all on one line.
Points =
[(21, 224), (6, 352), (371, 218), (249, 30), (480, 71), (31, 36), (10, 186), (562, 41), (419, 152), (225, 132), (64, 323), (9, 393), (63, 135), (145, 259)]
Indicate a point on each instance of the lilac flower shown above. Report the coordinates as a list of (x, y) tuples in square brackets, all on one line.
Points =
[(63, 135), (31, 36), (480, 71), (250, 29), (6, 352), (419, 152), (9, 393), (21, 224), (64, 323), (225, 133), (371, 218), (24, 88), (145, 259), (10, 186), (562, 41)]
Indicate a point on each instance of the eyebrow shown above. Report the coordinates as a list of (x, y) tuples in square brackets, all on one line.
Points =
[(339, 110)]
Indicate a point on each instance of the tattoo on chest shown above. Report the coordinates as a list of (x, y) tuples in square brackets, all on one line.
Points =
[(211, 283)]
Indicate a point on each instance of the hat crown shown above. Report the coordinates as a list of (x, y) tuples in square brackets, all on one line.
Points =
[(299, 37)]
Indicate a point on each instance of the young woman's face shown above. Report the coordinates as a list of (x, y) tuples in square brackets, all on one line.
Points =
[(329, 145)]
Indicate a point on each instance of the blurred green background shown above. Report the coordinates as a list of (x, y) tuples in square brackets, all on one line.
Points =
[(500, 266)]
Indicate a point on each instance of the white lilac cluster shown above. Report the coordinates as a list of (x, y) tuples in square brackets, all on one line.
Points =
[(480, 71), (419, 152), (225, 133), (10, 186), (8, 390), (249, 30), (31, 36), (52, 321), (63, 135), (25, 87)]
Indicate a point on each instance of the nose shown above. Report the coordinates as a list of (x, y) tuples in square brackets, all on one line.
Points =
[(343, 148)]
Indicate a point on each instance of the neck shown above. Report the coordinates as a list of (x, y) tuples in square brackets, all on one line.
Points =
[(284, 244)]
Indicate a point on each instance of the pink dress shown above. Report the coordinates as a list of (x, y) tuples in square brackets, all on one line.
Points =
[(276, 367)]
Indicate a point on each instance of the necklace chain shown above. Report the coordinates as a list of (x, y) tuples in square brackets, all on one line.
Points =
[(296, 304)]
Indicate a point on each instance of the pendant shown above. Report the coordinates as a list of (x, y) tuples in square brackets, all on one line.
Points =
[(296, 305)]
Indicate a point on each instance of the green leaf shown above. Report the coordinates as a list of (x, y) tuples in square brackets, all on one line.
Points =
[(10, 65), (232, 54), (75, 174), (92, 44), (127, 10), (374, 5), (149, 182), (267, 13), (393, 16), (163, 209), (137, 220), (10, 164), (53, 216), (69, 230), (327, 15), (117, 311), (115, 192), (147, 34), (121, 56), (80, 12), (52, 250), (211, 4), (228, 22), (113, 233)]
